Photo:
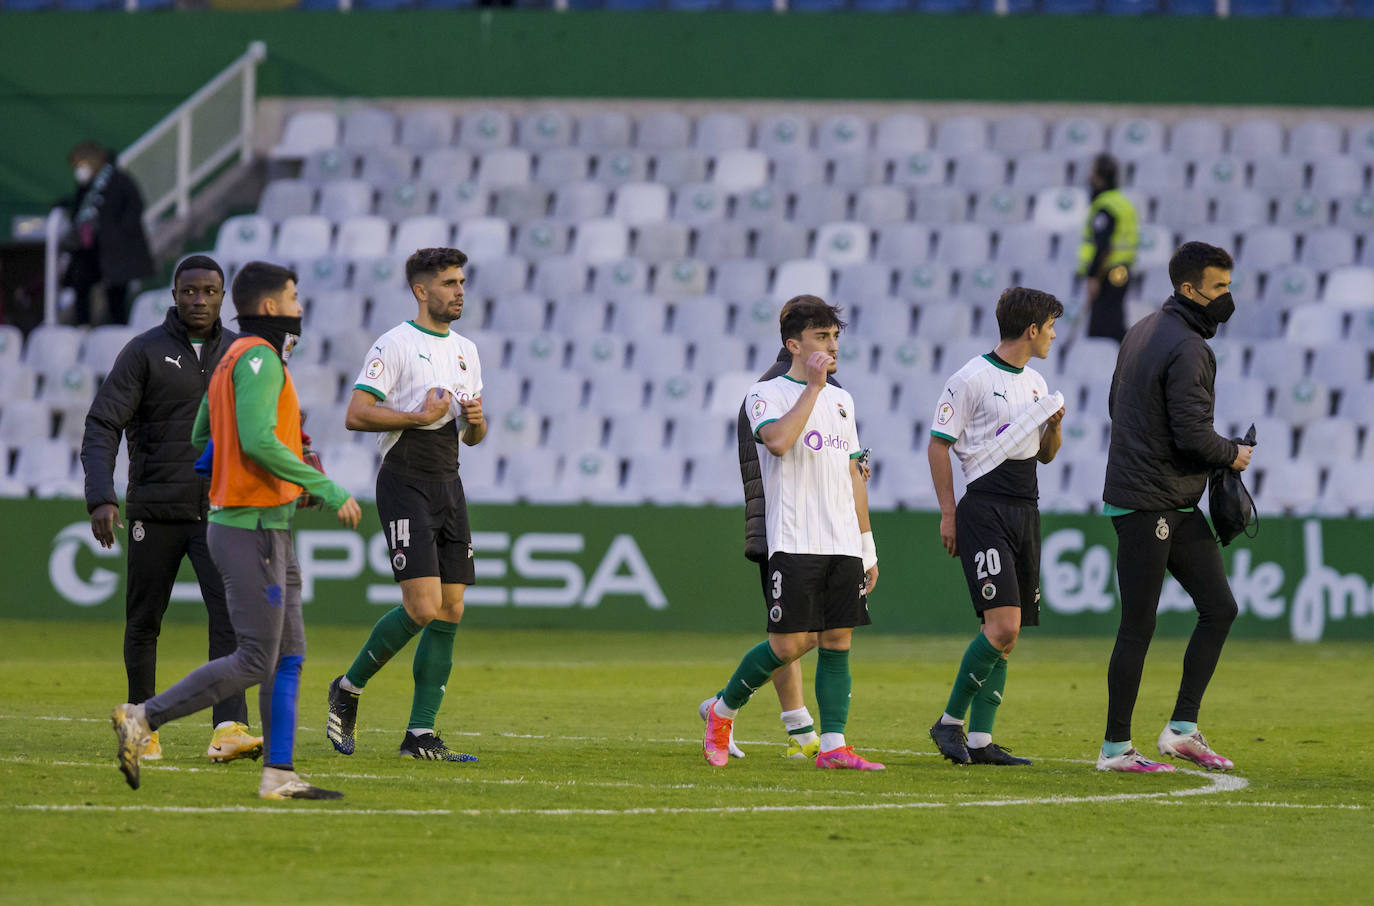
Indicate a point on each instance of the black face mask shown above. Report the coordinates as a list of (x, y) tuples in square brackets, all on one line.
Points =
[(1220, 308), (282, 332)]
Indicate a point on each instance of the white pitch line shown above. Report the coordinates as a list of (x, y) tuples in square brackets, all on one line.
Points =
[(232, 809)]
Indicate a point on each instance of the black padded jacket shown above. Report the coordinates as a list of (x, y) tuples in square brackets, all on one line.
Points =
[(153, 392), (1161, 401)]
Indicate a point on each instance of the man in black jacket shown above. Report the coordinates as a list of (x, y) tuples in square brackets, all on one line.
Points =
[(1163, 446), (107, 243), (152, 393)]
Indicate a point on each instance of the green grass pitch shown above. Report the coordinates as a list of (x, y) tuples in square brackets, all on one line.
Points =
[(591, 786)]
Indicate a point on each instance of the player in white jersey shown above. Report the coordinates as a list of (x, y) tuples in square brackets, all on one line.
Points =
[(822, 560), (1000, 418), (421, 390)]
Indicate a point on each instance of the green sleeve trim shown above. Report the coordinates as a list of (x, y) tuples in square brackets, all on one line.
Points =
[(372, 390), (856, 454), (943, 436), (200, 432), (760, 427), (1111, 509), (255, 405)]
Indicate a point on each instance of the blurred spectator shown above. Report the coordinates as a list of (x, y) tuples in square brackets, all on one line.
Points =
[(1107, 254), (106, 244)]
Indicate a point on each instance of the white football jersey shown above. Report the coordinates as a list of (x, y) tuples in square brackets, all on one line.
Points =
[(408, 360), (807, 492), (981, 399)]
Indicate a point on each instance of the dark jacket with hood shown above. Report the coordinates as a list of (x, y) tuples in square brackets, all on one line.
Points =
[(153, 392), (1163, 442)]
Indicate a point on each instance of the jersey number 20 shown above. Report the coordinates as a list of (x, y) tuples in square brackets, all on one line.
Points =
[(989, 562)]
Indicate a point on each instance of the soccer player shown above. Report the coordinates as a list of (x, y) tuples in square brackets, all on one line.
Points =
[(822, 559), (420, 388), (152, 394), (1163, 446), (251, 416), (1000, 419)]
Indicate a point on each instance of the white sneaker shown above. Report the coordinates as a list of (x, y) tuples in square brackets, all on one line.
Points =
[(1192, 747), (1132, 762), (279, 784), (134, 737), (735, 751)]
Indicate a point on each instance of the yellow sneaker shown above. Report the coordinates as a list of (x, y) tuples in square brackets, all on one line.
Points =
[(797, 750), (233, 741), (153, 750)]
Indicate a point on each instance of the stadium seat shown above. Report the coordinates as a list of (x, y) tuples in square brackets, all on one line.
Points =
[(1287, 487), (721, 131), (838, 244), (863, 281), (1357, 213), (1156, 171), (797, 168), (961, 134), (541, 239), (22, 421), (964, 245), (1241, 209), (660, 242), (940, 324), (680, 279), (1313, 139), (306, 132), (504, 167), (1078, 136), (247, 237), (578, 201), (1061, 208), (1182, 209), (783, 133), (1037, 170), (843, 133), (556, 167), (425, 129), (483, 237), (402, 200), (699, 203), (444, 167), (1267, 247), (368, 127), (741, 169), (485, 130), (741, 279), (979, 170), (1328, 441), (902, 133), (1134, 138), (603, 130), (333, 313), (542, 130), (1000, 207), (298, 238), (620, 167), (925, 282), (919, 168), (363, 237), (601, 240), (677, 167), (1256, 139), (616, 279), (1194, 138), (720, 241), (521, 204), (518, 313), (53, 346), (903, 244), (345, 198), (284, 198), (512, 429), (640, 203), (576, 314), (655, 355), (1349, 287), (329, 164)]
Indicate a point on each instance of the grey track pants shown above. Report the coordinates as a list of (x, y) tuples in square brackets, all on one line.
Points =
[(262, 586)]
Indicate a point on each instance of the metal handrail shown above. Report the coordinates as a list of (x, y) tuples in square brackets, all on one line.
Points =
[(178, 199)]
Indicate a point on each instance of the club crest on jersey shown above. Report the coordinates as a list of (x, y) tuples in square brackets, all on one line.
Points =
[(945, 414), (1162, 529), (843, 414), (988, 591), (462, 365), (139, 532), (374, 368), (758, 407), (775, 613), (398, 562)]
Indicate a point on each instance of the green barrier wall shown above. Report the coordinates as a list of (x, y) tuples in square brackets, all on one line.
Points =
[(110, 76), (681, 568)]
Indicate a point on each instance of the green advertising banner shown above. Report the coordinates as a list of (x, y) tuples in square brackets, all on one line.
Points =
[(681, 568)]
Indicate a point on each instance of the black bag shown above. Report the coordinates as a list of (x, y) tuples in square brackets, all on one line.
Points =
[(1231, 505)]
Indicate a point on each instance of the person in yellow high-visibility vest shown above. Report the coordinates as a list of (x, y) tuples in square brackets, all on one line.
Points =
[(1106, 256)]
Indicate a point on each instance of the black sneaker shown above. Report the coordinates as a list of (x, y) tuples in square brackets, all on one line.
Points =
[(429, 747), (343, 717), (951, 741), (992, 753)]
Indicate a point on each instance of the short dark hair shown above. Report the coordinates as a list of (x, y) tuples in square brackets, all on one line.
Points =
[(197, 263), (1019, 308), (805, 312), (256, 280), (1192, 258), (1107, 171), (88, 148), (426, 262)]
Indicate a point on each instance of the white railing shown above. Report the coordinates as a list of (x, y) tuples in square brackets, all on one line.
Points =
[(171, 160)]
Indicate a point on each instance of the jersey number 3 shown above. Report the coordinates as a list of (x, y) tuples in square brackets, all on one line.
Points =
[(988, 562)]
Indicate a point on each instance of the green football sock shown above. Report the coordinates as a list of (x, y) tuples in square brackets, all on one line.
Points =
[(755, 670), (984, 709), (832, 689), (979, 659), (433, 663), (389, 636)]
